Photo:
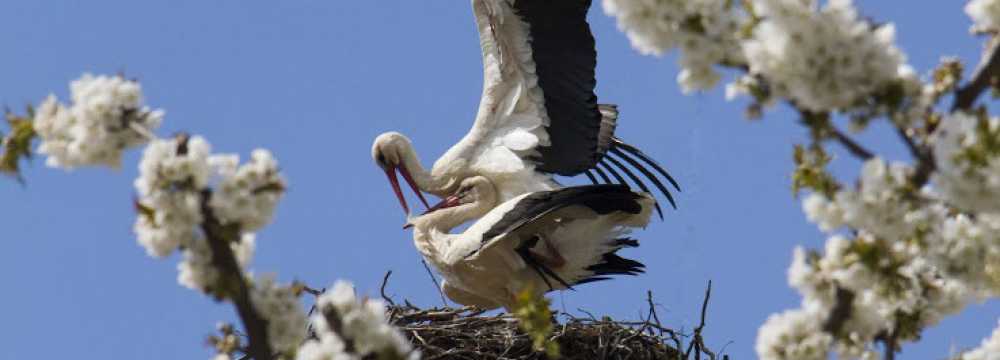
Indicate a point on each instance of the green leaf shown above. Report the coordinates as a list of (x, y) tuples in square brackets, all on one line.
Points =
[(535, 318), (810, 171), (16, 145)]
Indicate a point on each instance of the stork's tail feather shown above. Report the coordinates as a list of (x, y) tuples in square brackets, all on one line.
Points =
[(616, 157), (606, 134), (613, 264)]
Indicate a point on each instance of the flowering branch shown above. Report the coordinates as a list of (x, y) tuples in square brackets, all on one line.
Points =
[(915, 253), (219, 237), (965, 97), (985, 77)]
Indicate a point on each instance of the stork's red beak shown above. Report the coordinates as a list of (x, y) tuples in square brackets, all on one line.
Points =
[(391, 174), (448, 202), (451, 201)]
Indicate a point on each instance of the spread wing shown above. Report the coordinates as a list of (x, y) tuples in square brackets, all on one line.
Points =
[(538, 110)]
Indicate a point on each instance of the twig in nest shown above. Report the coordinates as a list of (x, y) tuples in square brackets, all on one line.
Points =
[(698, 343), (385, 280), (435, 280), (446, 333)]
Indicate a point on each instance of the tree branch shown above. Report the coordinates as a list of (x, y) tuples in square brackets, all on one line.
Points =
[(238, 292), (856, 149), (965, 97), (986, 75)]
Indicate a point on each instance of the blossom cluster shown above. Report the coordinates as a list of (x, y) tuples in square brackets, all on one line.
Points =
[(175, 188), (706, 32), (907, 266), (825, 59), (988, 350), (794, 334), (967, 153), (899, 257), (985, 14), (350, 328), (286, 322), (247, 194), (106, 117)]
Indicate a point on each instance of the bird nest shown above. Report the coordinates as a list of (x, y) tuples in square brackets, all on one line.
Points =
[(463, 333), (467, 334)]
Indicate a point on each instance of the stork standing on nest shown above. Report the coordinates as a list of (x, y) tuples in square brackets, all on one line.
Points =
[(547, 240), (538, 115)]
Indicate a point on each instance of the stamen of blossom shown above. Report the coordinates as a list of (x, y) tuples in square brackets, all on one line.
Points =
[(106, 118)]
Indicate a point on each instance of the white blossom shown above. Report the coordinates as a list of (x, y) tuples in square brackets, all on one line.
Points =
[(107, 116), (823, 212), (988, 350), (824, 59), (360, 323), (169, 193), (985, 14), (967, 177), (793, 335), (279, 305), (174, 177), (907, 263), (196, 270), (877, 205), (247, 194), (705, 31)]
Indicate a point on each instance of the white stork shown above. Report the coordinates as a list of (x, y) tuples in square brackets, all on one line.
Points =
[(581, 228), (538, 115)]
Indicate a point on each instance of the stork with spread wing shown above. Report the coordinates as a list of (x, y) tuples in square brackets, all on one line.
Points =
[(538, 116)]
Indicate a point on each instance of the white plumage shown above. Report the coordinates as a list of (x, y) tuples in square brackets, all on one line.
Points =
[(538, 117), (542, 241)]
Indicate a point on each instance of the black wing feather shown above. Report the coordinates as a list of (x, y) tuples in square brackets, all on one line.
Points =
[(602, 199), (563, 49)]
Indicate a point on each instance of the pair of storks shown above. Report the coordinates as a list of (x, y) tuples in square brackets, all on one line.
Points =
[(538, 117)]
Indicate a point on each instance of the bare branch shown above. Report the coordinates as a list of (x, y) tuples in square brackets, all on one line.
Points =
[(856, 149), (698, 343), (841, 312)]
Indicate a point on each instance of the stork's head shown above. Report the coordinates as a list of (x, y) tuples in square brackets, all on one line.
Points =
[(390, 151), (475, 197)]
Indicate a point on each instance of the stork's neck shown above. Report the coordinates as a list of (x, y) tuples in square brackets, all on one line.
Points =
[(431, 231), (431, 243), (426, 180)]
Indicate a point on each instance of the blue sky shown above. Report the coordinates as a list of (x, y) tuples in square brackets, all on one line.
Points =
[(315, 82)]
